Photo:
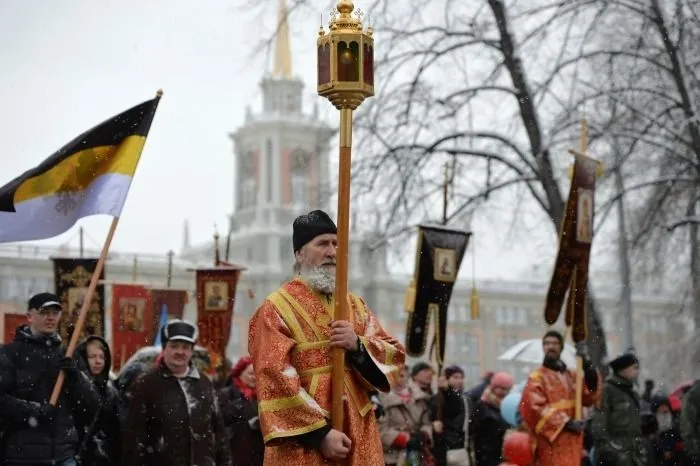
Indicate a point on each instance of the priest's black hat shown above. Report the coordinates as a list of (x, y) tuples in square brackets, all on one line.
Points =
[(309, 226), (623, 362), (181, 330)]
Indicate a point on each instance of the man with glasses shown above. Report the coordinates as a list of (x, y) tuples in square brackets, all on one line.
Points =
[(35, 432)]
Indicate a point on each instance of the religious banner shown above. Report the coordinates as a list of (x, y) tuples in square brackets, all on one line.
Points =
[(439, 256), (72, 277), (12, 322), (131, 321), (571, 268), (216, 294), (174, 302)]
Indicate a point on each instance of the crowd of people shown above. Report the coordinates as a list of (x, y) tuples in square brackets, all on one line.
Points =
[(274, 406)]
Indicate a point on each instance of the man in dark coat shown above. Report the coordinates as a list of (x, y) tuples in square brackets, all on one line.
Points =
[(617, 424), (690, 425), (36, 432), (174, 418), (101, 444)]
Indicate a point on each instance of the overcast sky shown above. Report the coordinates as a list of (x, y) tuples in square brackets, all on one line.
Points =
[(68, 65)]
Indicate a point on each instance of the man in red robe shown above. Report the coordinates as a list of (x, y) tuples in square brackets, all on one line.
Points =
[(548, 404), (290, 340)]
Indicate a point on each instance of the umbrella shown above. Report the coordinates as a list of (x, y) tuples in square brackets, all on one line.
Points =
[(531, 352)]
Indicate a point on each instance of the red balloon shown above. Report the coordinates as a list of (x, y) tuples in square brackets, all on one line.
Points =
[(517, 448)]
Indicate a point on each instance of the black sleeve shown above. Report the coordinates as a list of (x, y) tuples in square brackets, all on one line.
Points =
[(590, 375), (314, 438), (14, 410), (362, 363)]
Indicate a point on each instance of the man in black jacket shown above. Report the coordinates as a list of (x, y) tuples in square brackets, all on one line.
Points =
[(37, 433)]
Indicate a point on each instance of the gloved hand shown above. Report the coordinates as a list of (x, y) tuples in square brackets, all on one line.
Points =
[(415, 443), (575, 426), (47, 414), (68, 366)]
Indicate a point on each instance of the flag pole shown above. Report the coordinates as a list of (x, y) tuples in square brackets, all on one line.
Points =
[(88, 298), (84, 309)]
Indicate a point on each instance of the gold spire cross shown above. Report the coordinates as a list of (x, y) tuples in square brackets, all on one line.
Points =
[(283, 54)]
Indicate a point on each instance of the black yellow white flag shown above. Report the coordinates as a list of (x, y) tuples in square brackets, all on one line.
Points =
[(90, 175)]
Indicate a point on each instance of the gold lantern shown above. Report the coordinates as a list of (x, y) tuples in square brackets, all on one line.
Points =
[(346, 78), (346, 59)]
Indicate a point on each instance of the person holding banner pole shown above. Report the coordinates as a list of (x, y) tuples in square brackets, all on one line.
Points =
[(548, 404)]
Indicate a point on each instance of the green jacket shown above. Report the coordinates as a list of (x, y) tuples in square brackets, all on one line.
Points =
[(690, 421), (617, 425)]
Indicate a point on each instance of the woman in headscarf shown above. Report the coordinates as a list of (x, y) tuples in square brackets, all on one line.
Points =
[(488, 426), (102, 440), (239, 408)]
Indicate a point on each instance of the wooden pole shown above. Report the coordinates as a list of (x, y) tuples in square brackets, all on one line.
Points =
[(135, 270), (440, 398), (340, 311), (84, 309), (169, 277), (579, 359)]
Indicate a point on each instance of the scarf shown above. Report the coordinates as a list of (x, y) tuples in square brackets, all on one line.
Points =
[(247, 392)]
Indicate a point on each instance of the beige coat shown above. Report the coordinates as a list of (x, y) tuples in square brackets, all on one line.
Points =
[(399, 417)]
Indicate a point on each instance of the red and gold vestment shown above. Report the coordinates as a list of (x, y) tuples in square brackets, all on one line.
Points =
[(289, 343), (547, 403)]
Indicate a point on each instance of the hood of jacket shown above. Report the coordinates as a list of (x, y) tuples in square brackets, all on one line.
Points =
[(81, 359)]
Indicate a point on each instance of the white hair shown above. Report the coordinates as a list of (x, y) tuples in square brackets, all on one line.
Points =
[(321, 278)]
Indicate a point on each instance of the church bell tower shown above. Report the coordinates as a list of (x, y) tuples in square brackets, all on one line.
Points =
[(281, 164)]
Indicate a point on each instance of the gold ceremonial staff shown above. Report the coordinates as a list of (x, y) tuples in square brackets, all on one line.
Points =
[(346, 78)]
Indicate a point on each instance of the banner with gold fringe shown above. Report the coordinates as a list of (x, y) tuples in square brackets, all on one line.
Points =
[(216, 294), (131, 321), (72, 277), (571, 267), (439, 255)]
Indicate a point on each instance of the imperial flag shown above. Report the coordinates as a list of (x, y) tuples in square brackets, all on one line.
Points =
[(88, 176)]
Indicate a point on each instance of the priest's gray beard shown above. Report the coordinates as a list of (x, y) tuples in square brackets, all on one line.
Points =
[(321, 278)]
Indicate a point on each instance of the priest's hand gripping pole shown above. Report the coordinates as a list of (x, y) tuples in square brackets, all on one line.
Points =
[(345, 77)]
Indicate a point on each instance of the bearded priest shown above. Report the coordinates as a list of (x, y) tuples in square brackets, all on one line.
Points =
[(290, 339)]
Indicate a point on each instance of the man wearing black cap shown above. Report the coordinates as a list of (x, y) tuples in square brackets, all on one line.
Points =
[(290, 339), (617, 423), (36, 432), (173, 418), (548, 404)]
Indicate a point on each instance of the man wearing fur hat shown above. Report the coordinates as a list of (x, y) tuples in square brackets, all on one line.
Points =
[(617, 423), (290, 340), (548, 404), (173, 418)]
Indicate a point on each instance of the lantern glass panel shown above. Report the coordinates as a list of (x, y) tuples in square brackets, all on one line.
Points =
[(324, 64), (368, 64), (348, 61)]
